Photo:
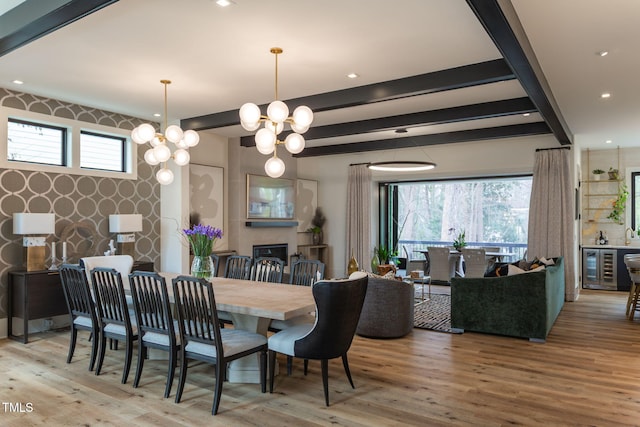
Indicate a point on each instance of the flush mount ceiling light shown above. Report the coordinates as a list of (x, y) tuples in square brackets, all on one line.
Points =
[(401, 166), (160, 151), (277, 115)]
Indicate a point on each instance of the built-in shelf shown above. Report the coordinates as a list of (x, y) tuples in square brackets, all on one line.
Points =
[(263, 224)]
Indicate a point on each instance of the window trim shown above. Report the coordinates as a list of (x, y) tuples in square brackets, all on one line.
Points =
[(63, 143), (73, 148), (123, 142)]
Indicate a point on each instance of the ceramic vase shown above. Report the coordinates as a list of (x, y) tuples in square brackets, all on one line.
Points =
[(202, 267)]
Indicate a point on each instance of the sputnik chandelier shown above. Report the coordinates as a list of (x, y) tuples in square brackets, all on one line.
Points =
[(277, 115), (160, 151)]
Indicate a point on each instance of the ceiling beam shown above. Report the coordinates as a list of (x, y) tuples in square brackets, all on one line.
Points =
[(503, 26), (46, 21), (462, 113), (499, 132), (454, 78)]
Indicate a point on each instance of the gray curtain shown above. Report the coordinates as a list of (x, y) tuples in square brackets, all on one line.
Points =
[(551, 212), (359, 215)]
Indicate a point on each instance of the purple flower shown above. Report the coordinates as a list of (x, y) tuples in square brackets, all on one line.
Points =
[(201, 238)]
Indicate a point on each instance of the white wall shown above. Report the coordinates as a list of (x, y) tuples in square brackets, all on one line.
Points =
[(485, 158)]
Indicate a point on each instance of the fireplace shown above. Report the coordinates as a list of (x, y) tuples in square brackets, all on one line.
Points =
[(278, 250)]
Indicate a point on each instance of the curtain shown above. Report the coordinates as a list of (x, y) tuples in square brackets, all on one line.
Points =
[(551, 213), (359, 214)]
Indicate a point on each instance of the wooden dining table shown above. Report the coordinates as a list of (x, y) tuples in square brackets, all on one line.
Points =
[(252, 306)]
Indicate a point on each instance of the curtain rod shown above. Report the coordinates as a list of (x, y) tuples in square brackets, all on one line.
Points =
[(555, 148)]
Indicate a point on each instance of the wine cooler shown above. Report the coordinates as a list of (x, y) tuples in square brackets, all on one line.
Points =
[(599, 269)]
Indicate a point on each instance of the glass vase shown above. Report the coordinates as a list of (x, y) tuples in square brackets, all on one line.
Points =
[(202, 267)]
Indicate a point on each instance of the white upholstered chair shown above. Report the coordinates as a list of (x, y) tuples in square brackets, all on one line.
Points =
[(442, 265), (475, 262)]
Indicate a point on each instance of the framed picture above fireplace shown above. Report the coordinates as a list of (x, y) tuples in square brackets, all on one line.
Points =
[(270, 198)]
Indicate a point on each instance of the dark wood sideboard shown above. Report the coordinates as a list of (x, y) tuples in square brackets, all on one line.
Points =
[(39, 295)]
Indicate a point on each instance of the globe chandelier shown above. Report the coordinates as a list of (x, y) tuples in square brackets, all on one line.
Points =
[(160, 151), (277, 115)]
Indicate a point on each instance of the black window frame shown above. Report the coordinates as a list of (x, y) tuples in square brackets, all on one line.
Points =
[(123, 142), (63, 147)]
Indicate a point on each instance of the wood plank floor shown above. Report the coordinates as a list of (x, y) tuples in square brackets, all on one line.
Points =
[(587, 373)]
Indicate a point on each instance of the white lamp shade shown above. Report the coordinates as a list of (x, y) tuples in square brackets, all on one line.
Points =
[(303, 116), (294, 143), (277, 112), (150, 157), (125, 223), (274, 167), (250, 126), (136, 138), (299, 129), (191, 138), (34, 223), (265, 138), (173, 133), (162, 153)]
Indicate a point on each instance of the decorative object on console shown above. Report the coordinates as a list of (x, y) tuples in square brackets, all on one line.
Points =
[(125, 223), (160, 151), (201, 239), (459, 242), (353, 264), (277, 115), (31, 224), (317, 223)]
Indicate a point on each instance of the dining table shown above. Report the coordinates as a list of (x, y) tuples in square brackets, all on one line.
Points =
[(252, 305), (498, 256)]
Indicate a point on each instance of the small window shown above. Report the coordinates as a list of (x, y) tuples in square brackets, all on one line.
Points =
[(102, 152), (36, 143)]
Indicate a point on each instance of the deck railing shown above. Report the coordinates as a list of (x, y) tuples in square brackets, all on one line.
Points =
[(410, 248)]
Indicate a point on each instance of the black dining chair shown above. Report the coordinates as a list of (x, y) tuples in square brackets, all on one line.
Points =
[(306, 272), (338, 307), (238, 267), (267, 269), (216, 264), (203, 339), (82, 309), (156, 327), (114, 316)]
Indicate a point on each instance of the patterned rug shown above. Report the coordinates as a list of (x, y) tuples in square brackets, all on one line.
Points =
[(434, 314)]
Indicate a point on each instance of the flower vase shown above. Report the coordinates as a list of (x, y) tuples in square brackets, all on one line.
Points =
[(353, 264), (375, 261), (316, 238), (202, 267)]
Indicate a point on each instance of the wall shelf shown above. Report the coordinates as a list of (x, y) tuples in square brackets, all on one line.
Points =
[(263, 224)]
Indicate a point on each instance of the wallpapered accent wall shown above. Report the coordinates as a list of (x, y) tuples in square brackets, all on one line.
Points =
[(81, 204)]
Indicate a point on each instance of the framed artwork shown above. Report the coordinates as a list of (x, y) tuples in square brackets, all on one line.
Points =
[(270, 198), (206, 184), (306, 202)]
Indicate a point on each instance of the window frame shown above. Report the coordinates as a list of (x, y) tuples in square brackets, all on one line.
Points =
[(123, 143), (63, 141)]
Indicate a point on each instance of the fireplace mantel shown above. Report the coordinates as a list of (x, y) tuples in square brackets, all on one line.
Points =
[(258, 224)]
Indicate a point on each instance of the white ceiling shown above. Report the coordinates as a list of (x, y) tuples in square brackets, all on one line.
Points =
[(218, 58)]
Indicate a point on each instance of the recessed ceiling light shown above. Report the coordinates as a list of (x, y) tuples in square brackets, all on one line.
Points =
[(605, 95), (526, 114), (157, 115), (353, 75), (18, 82), (608, 141), (224, 3), (602, 53)]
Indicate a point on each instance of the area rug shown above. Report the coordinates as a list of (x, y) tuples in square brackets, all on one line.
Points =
[(434, 314)]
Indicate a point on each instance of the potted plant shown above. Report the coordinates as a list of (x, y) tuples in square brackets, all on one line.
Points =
[(597, 173), (459, 242), (317, 223), (613, 174), (617, 209)]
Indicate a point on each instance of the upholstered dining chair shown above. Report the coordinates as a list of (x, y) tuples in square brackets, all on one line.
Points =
[(122, 263), (338, 307), (238, 267), (306, 272), (267, 269), (475, 262), (442, 265), (114, 316), (156, 327), (632, 262), (491, 260), (202, 338), (82, 309)]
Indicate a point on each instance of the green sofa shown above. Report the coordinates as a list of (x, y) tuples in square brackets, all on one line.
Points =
[(523, 305)]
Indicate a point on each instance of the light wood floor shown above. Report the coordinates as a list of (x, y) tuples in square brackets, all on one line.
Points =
[(587, 373)]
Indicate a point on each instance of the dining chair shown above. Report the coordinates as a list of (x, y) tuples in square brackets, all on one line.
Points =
[(114, 316), (122, 263), (338, 307), (492, 260), (442, 264), (632, 262), (475, 262), (82, 309), (306, 272), (202, 338), (216, 264), (238, 267), (267, 269), (156, 327)]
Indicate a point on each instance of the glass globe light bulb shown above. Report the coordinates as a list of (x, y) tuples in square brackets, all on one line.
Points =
[(191, 137), (181, 157), (249, 114), (146, 132), (303, 116), (173, 133), (294, 143), (182, 144), (250, 126), (164, 176), (136, 137), (274, 167), (277, 111), (155, 141), (299, 129), (276, 128), (150, 157), (162, 153), (265, 138)]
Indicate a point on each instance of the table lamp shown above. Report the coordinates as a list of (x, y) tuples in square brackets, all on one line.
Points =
[(125, 223), (30, 225)]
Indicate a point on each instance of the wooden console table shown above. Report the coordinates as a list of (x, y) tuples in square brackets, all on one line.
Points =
[(314, 252)]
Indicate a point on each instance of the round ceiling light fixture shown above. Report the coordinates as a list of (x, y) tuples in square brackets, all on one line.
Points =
[(401, 166)]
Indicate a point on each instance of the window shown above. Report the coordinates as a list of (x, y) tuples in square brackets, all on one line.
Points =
[(36, 143), (635, 201), (104, 152), (491, 212)]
